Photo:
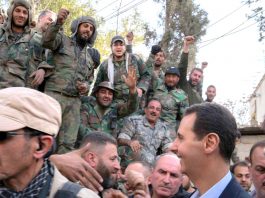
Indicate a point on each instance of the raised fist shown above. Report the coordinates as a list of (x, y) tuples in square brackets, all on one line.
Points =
[(62, 16)]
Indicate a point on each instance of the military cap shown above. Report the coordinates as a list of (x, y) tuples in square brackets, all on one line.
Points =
[(104, 84), (117, 38), (172, 70)]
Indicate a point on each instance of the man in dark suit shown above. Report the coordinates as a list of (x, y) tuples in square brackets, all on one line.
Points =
[(205, 142)]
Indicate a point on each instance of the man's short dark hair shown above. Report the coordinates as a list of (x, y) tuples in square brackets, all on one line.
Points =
[(152, 99), (214, 118), (240, 163), (196, 69), (256, 145), (98, 140), (211, 86)]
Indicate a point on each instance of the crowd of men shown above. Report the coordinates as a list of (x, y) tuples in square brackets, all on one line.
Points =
[(145, 131)]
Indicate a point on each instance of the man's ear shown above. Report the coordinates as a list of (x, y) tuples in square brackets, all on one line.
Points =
[(43, 144), (91, 158), (211, 143)]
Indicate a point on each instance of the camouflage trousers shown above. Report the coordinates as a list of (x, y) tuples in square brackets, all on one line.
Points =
[(67, 136)]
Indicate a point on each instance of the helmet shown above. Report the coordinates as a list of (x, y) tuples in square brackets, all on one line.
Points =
[(105, 84)]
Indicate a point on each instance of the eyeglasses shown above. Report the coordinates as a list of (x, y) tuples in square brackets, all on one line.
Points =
[(5, 135)]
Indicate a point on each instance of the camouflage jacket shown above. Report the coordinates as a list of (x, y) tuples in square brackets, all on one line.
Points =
[(153, 140), (192, 91), (91, 119), (119, 70), (173, 103), (19, 57), (157, 79), (71, 63)]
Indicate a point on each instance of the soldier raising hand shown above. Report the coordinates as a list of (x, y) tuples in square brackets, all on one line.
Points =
[(62, 16), (131, 79)]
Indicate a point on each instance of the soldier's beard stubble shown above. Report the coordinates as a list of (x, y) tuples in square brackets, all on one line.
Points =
[(108, 181)]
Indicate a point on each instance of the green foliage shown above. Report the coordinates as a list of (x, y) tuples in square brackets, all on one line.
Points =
[(132, 23), (179, 19), (258, 12)]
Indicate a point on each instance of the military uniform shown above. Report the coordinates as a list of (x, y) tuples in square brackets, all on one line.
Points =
[(119, 70), (91, 119), (19, 55), (153, 140), (174, 102), (193, 92), (157, 78), (72, 64)]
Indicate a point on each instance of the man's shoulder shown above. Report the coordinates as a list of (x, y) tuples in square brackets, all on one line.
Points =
[(59, 180), (233, 189), (135, 118)]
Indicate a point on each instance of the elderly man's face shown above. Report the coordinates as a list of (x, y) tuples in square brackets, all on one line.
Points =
[(46, 20), (166, 177), (20, 16), (257, 170), (15, 155)]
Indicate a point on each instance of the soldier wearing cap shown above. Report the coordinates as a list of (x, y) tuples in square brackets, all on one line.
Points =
[(156, 65), (99, 113), (117, 65), (27, 132), (74, 71), (174, 101)]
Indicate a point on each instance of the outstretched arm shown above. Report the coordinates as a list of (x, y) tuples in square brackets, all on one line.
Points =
[(51, 38)]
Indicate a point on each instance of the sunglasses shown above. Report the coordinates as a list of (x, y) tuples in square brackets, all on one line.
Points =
[(6, 135)]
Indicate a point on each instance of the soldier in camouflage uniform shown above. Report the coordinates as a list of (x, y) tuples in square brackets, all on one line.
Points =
[(117, 65), (73, 72), (191, 86), (19, 64), (174, 101), (145, 135), (100, 113), (154, 64)]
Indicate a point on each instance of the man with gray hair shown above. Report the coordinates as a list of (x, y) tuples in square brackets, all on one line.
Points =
[(166, 177), (27, 132), (257, 167)]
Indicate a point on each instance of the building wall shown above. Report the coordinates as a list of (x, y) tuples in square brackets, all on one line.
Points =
[(257, 102), (246, 143)]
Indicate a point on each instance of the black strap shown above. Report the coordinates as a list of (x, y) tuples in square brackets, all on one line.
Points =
[(69, 190)]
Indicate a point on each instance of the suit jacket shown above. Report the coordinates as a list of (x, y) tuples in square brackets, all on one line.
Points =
[(234, 190)]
